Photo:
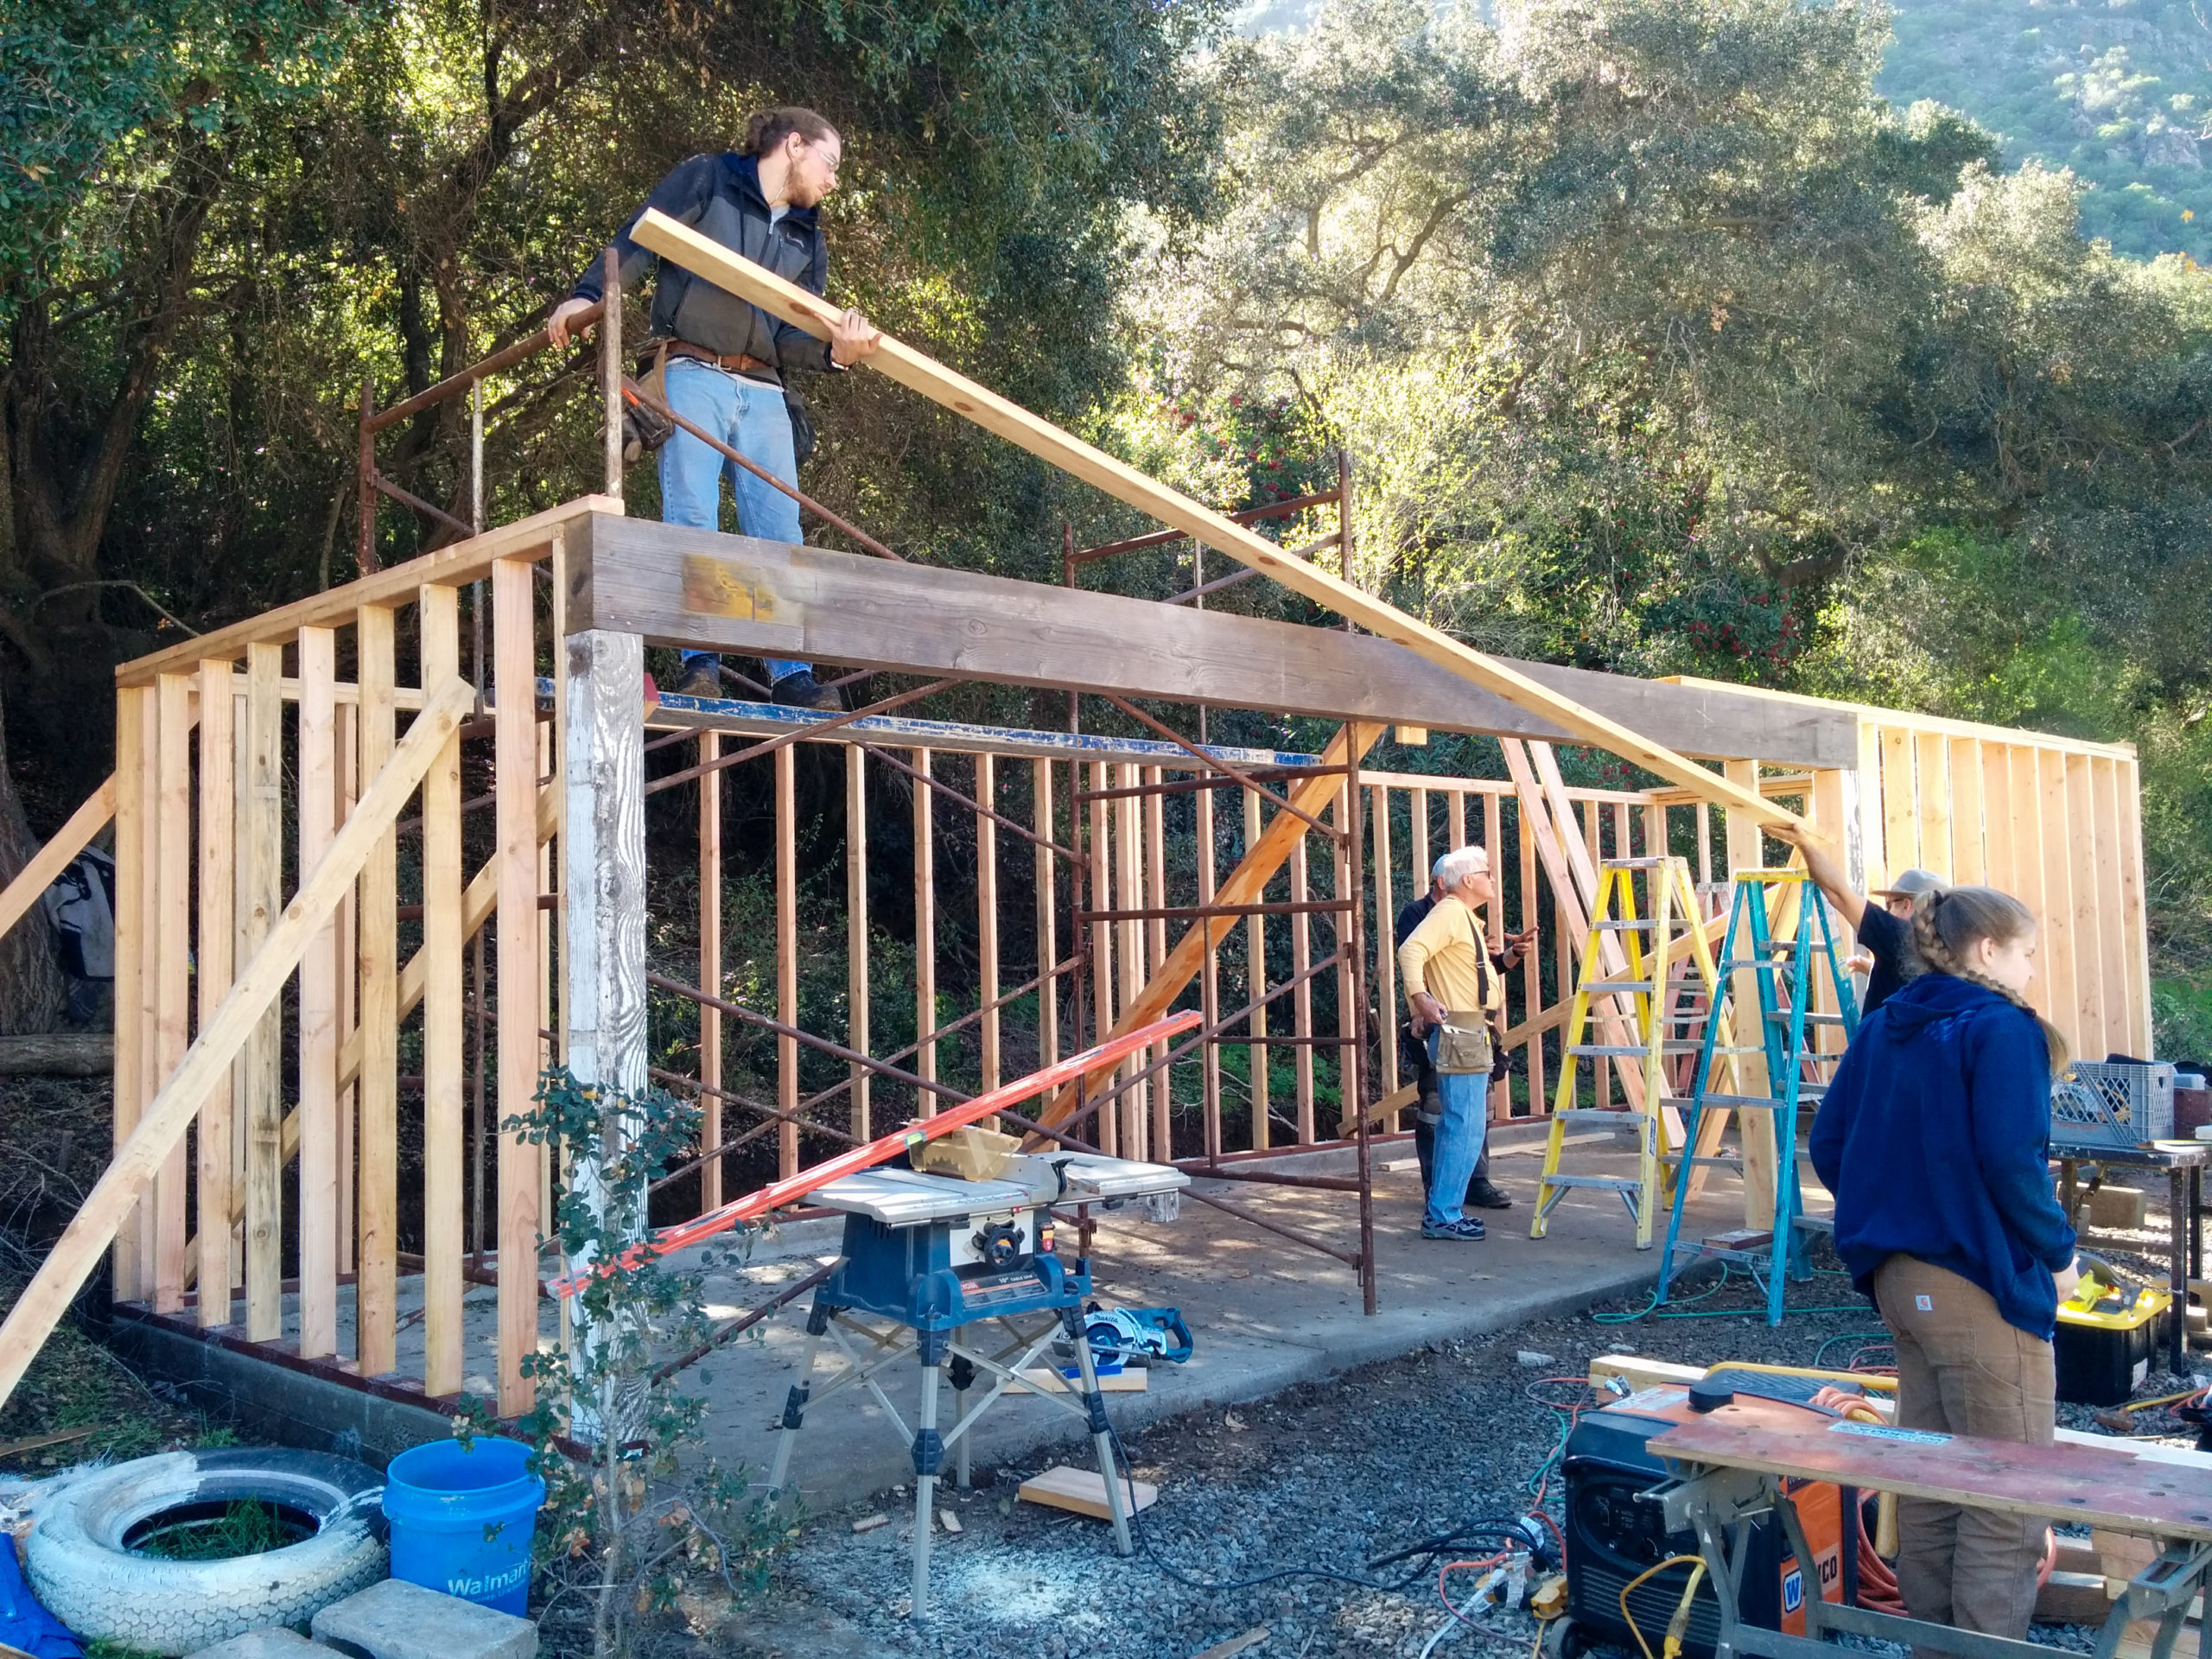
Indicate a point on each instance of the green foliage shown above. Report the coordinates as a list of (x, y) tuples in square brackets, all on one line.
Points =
[(242, 217), (2182, 1015), (1665, 337), (1664, 344), (245, 1527), (84, 87), (2119, 95), (630, 1531)]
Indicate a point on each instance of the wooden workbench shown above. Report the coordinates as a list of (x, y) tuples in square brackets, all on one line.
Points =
[(1731, 1463)]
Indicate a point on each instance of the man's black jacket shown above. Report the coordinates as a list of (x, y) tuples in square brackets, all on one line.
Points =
[(719, 196)]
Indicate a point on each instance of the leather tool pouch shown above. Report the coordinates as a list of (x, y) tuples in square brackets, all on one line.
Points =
[(803, 433), (644, 430), (1461, 1044)]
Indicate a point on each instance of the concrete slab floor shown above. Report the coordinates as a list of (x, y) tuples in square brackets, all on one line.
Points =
[(1265, 1314)]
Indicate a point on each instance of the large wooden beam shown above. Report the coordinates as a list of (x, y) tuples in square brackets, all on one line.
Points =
[(1244, 885), (703, 590), (64, 1271), (705, 258)]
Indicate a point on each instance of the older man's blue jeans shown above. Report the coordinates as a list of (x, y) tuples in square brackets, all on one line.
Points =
[(748, 416), (1464, 1097)]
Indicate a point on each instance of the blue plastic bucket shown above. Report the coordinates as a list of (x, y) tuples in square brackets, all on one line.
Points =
[(462, 1519)]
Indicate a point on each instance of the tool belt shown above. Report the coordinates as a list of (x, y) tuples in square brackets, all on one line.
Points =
[(1461, 1043), (735, 362), (644, 428)]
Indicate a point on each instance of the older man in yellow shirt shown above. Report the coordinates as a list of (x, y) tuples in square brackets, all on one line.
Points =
[(1455, 994)]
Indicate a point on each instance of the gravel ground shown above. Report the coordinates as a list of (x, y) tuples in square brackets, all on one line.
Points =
[(1329, 1474)]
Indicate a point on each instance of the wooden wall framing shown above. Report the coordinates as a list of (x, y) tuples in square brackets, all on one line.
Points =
[(212, 735), (288, 717)]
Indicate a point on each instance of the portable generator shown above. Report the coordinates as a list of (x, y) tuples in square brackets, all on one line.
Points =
[(1612, 1535)]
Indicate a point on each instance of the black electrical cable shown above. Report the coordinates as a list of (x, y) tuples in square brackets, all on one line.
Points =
[(1519, 1531)]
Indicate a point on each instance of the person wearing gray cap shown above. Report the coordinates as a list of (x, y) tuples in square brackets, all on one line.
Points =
[(1413, 1053), (1885, 930)]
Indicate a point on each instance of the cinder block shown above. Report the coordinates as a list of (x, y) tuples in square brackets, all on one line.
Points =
[(2116, 1206), (394, 1620), (271, 1642), (2072, 1599)]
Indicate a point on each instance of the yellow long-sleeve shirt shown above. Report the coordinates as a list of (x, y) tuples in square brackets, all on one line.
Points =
[(1444, 957)]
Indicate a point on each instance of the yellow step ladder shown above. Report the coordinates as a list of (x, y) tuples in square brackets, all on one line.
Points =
[(1629, 960)]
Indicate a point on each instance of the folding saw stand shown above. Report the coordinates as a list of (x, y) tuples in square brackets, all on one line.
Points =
[(928, 1256), (1730, 1467)]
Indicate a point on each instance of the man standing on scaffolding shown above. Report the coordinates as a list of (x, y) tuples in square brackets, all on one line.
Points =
[(724, 360)]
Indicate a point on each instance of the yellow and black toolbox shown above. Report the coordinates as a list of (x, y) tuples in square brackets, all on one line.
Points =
[(2107, 1336)]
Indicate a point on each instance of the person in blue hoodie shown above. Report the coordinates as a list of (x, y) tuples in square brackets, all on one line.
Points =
[(1934, 1141)]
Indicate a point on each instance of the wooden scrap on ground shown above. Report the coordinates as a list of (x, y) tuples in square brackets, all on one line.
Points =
[(1235, 1644), (950, 1522), (39, 1442), (1132, 1379), (1084, 1492), (1640, 1373), (870, 1522)]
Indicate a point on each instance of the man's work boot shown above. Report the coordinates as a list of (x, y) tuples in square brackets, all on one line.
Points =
[(1483, 1196), (803, 690), (705, 680)]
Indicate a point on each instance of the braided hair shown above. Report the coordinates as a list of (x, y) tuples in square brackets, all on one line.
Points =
[(1948, 922)]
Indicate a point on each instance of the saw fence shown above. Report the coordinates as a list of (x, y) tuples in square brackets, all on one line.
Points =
[(331, 1198)]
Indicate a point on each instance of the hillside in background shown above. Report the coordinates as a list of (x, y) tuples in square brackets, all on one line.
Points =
[(2121, 94)]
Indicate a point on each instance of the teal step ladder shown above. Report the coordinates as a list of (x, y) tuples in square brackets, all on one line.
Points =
[(1783, 942)]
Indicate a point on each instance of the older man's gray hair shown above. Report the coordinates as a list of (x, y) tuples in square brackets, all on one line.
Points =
[(1459, 864)]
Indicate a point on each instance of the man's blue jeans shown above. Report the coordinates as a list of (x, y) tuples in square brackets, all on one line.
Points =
[(749, 417), (1464, 1098)]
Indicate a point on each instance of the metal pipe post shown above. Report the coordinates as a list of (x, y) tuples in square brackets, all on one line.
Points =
[(476, 456), (610, 370), (1353, 1022), (365, 550)]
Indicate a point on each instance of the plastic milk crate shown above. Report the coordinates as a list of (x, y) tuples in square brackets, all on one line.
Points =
[(2094, 1104)]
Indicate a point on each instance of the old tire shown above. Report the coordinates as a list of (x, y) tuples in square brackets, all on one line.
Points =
[(82, 1566)]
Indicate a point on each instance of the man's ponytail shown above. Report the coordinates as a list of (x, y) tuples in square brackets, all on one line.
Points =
[(766, 129), (1948, 922)]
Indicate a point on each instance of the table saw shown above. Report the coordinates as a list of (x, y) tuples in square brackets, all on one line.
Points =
[(930, 1255)]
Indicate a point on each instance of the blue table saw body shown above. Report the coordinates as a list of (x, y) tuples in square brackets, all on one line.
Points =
[(908, 1273)]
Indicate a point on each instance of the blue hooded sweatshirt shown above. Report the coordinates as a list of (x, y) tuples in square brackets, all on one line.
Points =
[(1934, 1140)]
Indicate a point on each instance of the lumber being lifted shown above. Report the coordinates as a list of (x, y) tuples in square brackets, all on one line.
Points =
[(710, 260)]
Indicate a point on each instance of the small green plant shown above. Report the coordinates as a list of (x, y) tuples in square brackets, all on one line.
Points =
[(638, 1525), (245, 1526)]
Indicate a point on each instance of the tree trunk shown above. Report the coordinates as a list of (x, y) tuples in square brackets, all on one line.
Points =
[(33, 991)]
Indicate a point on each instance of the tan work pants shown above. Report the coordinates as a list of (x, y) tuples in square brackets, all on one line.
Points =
[(1962, 1370)]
